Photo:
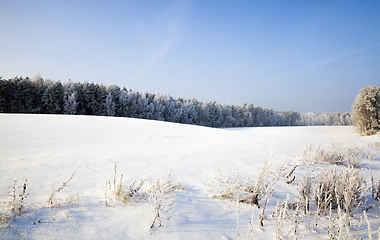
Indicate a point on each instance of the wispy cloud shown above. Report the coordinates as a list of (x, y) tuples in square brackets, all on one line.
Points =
[(333, 58), (165, 47), (172, 19)]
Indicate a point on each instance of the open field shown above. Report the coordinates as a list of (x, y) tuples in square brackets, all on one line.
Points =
[(46, 149)]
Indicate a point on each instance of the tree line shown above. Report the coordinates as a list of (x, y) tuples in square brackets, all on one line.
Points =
[(24, 95)]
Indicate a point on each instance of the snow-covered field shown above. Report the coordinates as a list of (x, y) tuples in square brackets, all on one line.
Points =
[(48, 148)]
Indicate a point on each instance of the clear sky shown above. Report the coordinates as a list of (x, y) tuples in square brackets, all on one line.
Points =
[(306, 56)]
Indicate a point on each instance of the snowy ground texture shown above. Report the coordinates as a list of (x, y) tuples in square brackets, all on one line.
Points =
[(46, 149)]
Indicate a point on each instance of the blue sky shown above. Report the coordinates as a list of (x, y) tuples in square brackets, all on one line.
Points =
[(307, 56)]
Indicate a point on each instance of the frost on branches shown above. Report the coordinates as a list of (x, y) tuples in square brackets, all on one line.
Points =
[(366, 110)]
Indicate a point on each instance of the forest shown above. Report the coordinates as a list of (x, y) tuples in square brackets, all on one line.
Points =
[(39, 96)]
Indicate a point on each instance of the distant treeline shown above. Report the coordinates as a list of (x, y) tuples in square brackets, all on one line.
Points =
[(23, 95)]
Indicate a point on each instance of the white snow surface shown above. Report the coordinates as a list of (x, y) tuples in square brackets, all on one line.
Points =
[(48, 148)]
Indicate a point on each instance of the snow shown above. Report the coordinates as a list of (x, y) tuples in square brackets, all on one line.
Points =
[(48, 148)]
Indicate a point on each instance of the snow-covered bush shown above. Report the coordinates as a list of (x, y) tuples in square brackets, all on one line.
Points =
[(305, 190), (337, 154), (366, 110), (162, 194), (339, 189), (375, 186)]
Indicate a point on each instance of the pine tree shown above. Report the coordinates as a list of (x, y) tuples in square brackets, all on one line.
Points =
[(52, 97), (23, 96), (113, 103), (70, 97), (123, 109), (4, 96), (110, 105)]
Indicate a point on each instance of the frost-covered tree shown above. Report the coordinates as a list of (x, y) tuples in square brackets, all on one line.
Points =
[(123, 108), (110, 105), (90, 103), (39, 96), (52, 97), (99, 102), (70, 97), (159, 106), (133, 108), (22, 96), (4, 104), (366, 109)]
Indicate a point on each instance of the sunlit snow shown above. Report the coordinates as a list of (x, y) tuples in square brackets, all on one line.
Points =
[(48, 148)]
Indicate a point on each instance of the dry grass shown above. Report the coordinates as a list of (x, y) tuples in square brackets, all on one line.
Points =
[(162, 194), (54, 202), (328, 198), (253, 192), (339, 189), (15, 206), (375, 186), (126, 194), (129, 194), (305, 190), (337, 154), (251, 227)]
